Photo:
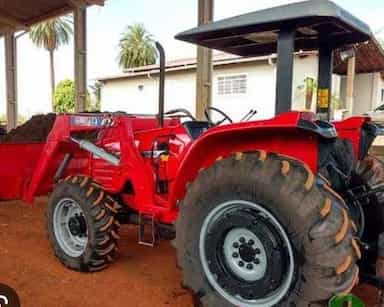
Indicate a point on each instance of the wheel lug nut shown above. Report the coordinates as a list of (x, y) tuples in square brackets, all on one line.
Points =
[(257, 251), (241, 263), (251, 242), (235, 255), (236, 245), (249, 266), (242, 240), (256, 261)]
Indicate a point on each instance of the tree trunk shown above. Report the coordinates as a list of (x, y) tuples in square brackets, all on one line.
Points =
[(52, 69)]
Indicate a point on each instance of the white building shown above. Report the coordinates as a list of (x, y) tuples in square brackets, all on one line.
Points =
[(239, 84), (369, 92)]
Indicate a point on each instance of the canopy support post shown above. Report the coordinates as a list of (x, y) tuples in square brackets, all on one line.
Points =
[(285, 62), (324, 91), (204, 64), (11, 79), (351, 73), (80, 37)]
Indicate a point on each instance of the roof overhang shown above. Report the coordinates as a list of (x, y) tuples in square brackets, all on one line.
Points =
[(369, 58), (16, 15), (184, 65)]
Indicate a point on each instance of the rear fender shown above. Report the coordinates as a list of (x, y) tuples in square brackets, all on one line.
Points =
[(361, 131), (288, 141)]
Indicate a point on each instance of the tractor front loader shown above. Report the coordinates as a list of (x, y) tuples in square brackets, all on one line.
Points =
[(280, 212)]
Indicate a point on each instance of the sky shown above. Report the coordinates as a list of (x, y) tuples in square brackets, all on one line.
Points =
[(163, 19)]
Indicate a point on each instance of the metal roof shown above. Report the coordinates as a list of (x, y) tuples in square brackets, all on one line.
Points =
[(255, 34), (369, 58), (184, 65), (18, 15)]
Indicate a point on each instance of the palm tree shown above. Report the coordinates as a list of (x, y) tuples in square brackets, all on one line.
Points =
[(136, 47), (50, 35)]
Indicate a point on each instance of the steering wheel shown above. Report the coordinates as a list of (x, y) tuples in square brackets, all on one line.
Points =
[(184, 113), (211, 122)]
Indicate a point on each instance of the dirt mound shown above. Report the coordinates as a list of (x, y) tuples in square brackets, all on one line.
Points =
[(34, 130)]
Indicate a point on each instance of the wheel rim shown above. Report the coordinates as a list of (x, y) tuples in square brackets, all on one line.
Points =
[(70, 227), (243, 247), (245, 254)]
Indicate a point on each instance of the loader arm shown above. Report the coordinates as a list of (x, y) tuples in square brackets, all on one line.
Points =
[(57, 145)]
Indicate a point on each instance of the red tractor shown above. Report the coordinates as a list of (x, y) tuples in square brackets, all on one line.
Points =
[(274, 212)]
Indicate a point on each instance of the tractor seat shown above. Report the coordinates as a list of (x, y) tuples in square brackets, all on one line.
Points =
[(196, 128)]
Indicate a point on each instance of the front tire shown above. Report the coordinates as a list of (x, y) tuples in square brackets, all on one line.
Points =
[(258, 230), (81, 225)]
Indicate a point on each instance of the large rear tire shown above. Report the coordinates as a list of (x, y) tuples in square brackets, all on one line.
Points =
[(81, 224), (370, 171), (261, 230)]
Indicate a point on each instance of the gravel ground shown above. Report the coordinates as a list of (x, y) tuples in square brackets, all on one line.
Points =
[(141, 276)]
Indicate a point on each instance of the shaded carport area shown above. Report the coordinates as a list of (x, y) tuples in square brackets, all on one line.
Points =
[(142, 276), (19, 15)]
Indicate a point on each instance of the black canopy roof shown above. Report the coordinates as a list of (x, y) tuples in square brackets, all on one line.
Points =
[(256, 34)]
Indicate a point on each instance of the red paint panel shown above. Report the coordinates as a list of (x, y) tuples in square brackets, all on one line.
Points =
[(17, 163), (291, 142)]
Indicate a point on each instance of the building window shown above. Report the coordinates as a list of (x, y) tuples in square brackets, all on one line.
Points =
[(235, 84)]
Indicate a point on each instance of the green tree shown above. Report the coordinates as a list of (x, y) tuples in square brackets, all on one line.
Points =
[(136, 47), (65, 98), (50, 35)]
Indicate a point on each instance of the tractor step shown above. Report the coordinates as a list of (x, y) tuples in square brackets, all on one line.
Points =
[(147, 221)]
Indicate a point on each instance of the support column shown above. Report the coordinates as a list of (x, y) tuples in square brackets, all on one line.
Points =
[(284, 77), (324, 91), (11, 79), (351, 73), (80, 37), (204, 64)]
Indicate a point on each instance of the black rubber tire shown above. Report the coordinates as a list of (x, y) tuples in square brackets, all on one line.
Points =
[(99, 212), (370, 171), (312, 214)]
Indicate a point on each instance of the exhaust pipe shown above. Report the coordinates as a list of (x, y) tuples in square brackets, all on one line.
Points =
[(161, 83)]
